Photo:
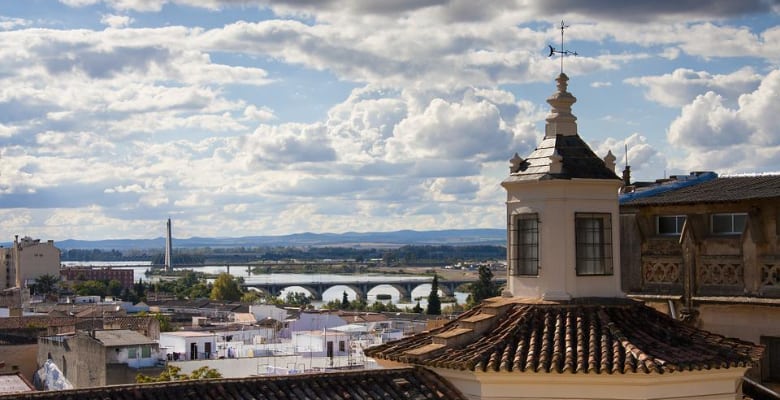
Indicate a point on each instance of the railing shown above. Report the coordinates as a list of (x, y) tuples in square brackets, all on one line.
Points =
[(758, 391)]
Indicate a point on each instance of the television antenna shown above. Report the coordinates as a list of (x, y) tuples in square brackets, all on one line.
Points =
[(562, 52)]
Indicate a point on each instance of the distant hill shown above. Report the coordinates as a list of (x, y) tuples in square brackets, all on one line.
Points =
[(454, 237)]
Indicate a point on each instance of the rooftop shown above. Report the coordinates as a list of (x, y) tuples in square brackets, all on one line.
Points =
[(702, 190), (35, 321), (577, 162), (593, 335), (14, 382), (121, 337), (385, 384)]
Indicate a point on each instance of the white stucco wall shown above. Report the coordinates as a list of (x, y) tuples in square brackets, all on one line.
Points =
[(556, 202), (179, 342), (722, 384)]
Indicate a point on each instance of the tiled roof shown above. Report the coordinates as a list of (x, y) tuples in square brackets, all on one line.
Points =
[(362, 316), (583, 336), (386, 384), (131, 323), (37, 321), (579, 161), (719, 190)]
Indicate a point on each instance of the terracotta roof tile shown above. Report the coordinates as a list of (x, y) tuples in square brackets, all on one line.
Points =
[(385, 384), (40, 321), (584, 336)]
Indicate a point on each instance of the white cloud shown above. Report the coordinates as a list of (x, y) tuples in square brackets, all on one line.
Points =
[(706, 122), (471, 130), (670, 53), (760, 110), (79, 3), (683, 85), (741, 139), (279, 146), (262, 114), (7, 131), (7, 23), (645, 160), (137, 124), (116, 21)]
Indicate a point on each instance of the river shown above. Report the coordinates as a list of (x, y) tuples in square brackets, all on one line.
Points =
[(336, 292)]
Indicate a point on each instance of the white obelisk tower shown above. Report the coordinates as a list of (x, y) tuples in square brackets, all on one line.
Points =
[(168, 247)]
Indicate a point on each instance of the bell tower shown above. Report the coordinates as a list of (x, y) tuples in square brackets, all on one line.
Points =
[(562, 214)]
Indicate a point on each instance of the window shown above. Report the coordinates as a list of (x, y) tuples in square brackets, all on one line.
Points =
[(670, 224), (131, 352), (146, 351), (728, 224), (342, 346), (594, 243), (526, 244)]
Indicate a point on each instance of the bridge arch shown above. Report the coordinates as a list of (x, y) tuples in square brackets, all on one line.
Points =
[(307, 290), (402, 292), (424, 289), (335, 292)]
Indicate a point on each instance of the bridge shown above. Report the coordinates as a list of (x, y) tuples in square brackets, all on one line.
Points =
[(362, 285)]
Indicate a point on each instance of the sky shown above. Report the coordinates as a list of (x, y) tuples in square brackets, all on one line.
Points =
[(241, 118)]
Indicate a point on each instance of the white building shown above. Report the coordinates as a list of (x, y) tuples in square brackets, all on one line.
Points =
[(188, 345), (322, 343)]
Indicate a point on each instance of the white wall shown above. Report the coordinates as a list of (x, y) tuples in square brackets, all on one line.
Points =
[(264, 311), (556, 202), (315, 343)]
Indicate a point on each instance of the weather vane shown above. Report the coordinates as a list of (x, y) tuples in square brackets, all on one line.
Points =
[(562, 52)]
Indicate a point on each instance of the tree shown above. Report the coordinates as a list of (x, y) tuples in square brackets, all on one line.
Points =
[(46, 284), (484, 288), (297, 299), (251, 297), (417, 308), (90, 288), (114, 288), (200, 290), (173, 373), (344, 301), (225, 288), (165, 322), (382, 307), (434, 303)]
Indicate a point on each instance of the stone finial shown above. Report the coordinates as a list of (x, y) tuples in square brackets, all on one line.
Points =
[(609, 160), (560, 120), (514, 163), (556, 163), (563, 84)]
